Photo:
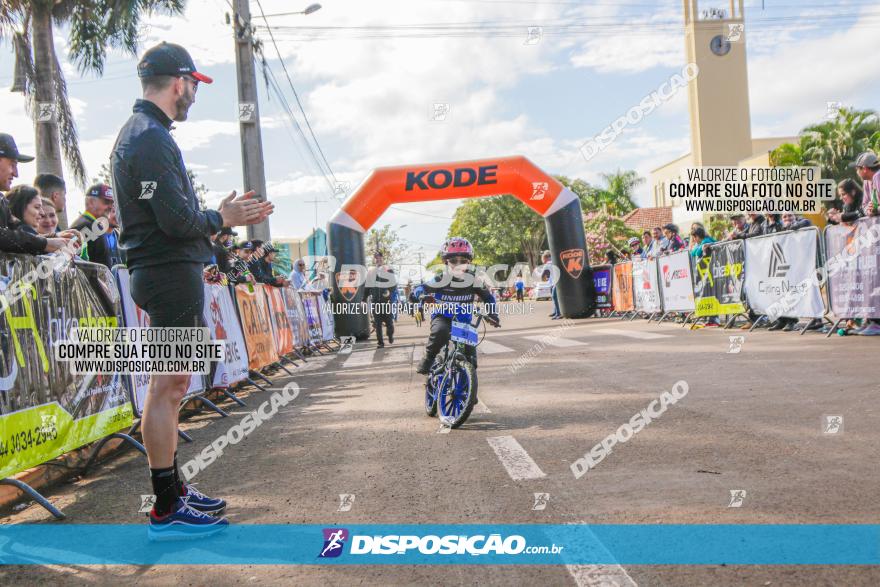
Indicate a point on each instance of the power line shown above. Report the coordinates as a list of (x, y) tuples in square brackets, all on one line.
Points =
[(295, 94)]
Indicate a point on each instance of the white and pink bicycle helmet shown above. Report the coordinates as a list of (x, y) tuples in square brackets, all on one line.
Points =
[(457, 247)]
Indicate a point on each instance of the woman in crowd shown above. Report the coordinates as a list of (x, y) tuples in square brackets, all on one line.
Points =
[(49, 219), (852, 196), (25, 204), (673, 240), (699, 241)]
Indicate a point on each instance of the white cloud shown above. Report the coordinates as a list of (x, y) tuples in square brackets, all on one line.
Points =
[(791, 86)]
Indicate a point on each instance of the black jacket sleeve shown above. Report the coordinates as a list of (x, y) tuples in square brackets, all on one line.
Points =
[(170, 202)]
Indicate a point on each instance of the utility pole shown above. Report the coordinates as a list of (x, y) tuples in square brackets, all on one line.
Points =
[(315, 228), (249, 113)]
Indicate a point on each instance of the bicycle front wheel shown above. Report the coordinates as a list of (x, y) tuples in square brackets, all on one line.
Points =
[(457, 393)]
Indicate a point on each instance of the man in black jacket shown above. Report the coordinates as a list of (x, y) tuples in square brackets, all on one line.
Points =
[(166, 238), (18, 241), (381, 285)]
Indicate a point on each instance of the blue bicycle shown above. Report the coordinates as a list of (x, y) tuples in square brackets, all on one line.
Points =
[(451, 387)]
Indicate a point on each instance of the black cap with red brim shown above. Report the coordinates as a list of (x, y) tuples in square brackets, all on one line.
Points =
[(169, 59)]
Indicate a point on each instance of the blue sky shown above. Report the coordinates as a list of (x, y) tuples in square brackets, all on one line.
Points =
[(369, 91)]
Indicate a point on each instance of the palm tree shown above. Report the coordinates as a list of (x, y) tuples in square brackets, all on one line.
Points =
[(93, 27), (617, 197), (833, 144)]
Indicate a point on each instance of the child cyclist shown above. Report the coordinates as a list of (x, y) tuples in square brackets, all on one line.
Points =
[(453, 291)]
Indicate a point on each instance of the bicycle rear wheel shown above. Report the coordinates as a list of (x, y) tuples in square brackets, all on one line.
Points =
[(457, 393)]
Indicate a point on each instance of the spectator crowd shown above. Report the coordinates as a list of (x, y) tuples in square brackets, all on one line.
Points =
[(29, 225), (853, 202)]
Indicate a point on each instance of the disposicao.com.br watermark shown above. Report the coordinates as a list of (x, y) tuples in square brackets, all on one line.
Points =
[(252, 421)]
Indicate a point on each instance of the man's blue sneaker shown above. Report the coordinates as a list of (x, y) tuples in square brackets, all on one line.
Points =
[(199, 501), (184, 523)]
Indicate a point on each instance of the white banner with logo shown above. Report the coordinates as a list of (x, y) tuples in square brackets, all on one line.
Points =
[(645, 286), (328, 325), (135, 317), (220, 317), (676, 288), (780, 273)]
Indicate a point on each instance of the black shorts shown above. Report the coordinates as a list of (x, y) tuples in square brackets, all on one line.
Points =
[(173, 295)]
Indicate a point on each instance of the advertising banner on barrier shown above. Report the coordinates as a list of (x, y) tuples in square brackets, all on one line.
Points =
[(718, 288), (854, 282), (676, 287), (602, 283), (255, 325), (328, 328), (313, 316), (45, 408), (296, 317), (621, 287), (281, 331), (220, 317), (645, 286), (135, 317), (783, 265)]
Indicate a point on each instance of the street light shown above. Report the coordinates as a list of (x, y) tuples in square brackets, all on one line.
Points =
[(310, 9)]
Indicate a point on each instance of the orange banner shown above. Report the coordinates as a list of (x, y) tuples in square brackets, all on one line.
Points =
[(622, 287), (441, 181), (280, 325), (255, 323)]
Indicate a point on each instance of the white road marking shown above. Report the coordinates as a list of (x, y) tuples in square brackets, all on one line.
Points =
[(632, 333), (515, 459), (444, 429), (482, 408), (550, 340), (359, 358), (487, 347), (600, 576)]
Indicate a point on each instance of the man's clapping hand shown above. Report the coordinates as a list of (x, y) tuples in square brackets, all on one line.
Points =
[(242, 210)]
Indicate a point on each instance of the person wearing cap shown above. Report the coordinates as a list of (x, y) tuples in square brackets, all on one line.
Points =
[(867, 167), (19, 241), (220, 248), (99, 203), (166, 238), (260, 264)]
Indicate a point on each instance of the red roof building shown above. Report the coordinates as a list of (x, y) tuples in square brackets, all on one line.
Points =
[(642, 219)]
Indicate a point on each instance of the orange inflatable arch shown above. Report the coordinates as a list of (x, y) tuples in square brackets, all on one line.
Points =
[(516, 176)]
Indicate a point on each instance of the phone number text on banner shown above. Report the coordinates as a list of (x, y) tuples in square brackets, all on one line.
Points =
[(45, 408)]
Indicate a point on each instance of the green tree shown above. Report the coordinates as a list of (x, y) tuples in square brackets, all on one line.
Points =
[(386, 240), (787, 155), (93, 26), (501, 229), (832, 145)]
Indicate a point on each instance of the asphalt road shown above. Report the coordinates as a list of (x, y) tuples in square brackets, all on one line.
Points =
[(751, 421)]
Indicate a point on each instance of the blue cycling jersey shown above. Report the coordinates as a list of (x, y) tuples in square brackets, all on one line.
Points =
[(454, 296)]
